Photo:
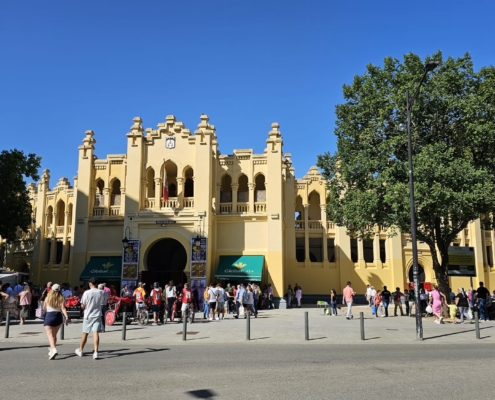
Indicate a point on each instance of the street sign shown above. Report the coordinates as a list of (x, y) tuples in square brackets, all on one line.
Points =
[(461, 261), (165, 222)]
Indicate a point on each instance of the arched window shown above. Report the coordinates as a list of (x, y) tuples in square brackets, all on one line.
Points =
[(314, 211), (226, 189), (189, 183), (243, 190), (115, 199), (259, 189), (60, 213), (150, 183), (100, 184)]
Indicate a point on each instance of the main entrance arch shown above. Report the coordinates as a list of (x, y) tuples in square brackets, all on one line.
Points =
[(421, 274), (166, 260)]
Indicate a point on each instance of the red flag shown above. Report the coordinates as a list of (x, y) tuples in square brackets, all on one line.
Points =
[(165, 184)]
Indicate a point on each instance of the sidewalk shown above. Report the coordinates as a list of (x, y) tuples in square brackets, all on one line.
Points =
[(272, 326)]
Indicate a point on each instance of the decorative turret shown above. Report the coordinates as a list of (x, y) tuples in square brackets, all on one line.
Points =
[(274, 141), (88, 145), (205, 129)]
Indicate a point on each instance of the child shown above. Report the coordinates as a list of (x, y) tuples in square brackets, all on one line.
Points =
[(453, 312)]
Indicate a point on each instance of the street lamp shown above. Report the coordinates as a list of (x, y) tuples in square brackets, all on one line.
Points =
[(125, 240), (430, 66)]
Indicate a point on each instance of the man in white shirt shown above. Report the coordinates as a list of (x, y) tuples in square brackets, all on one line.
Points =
[(212, 300), (220, 301), (368, 295), (91, 302)]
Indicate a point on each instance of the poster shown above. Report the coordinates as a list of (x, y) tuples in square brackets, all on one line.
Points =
[(130, 263), (461, 261), (198, 287), (198, 250)]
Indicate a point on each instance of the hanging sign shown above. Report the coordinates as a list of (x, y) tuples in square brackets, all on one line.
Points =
[(130, 260), (198, 257), (461, 261)]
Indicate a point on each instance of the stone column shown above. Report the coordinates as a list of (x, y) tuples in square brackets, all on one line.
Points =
[(158, 194), (180, 192), (234, 197), (360, 247), (107, 195), (463, 238), (376, 250), (323, 213), (306, 233), (53, 250), (218, 204), (251, 197), (65, 252)]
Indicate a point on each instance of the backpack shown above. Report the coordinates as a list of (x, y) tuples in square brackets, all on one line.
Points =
[(225, 296), (245, 296)]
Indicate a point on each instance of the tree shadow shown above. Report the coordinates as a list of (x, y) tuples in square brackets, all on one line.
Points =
[(21, 348), (115, 353)]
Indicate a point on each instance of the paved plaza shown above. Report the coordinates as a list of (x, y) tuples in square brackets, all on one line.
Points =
[(272, 327)]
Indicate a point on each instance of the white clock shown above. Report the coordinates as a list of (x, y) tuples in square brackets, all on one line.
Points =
[(170, 143)]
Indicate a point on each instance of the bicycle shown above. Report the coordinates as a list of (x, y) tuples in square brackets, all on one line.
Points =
[(190, 313), (142, 316)]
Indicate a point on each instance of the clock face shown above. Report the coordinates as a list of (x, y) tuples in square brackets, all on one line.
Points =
[(170, 143)]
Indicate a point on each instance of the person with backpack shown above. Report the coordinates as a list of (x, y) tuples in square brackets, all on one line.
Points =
[(249, 301), (256, 297), (156, 298)]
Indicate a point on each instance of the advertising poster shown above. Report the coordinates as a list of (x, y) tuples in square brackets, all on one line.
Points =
[(461, 261), (198, 257), (198, 287), (130, 262)]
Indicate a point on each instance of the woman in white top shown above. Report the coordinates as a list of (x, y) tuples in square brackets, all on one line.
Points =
[(170, 294), (54, 305)]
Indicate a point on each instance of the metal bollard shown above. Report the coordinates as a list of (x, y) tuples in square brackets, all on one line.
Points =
[(361, 316), (7, 325), (184, 328), (124, 324), (306, 325), (477, 324), (62, 329), (248, 326)]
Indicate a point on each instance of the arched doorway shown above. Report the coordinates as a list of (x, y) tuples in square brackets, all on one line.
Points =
[(166, 261), (421, 274)]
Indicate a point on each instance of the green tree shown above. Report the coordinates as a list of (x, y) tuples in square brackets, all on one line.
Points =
[(15, 208), (453, 133)]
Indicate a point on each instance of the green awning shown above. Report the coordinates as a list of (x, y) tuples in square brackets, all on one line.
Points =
[(109, 268), (240, 268)]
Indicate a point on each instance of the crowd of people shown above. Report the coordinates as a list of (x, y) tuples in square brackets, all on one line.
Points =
[(458, 307)]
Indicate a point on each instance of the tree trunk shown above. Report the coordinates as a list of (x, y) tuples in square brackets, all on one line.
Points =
[(440, 269)]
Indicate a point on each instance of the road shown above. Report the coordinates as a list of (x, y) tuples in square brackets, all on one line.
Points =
[(253, 370)]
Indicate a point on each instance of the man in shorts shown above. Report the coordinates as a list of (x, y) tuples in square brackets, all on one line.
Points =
[(156, 296), (220, 302), (91, 302), (212, 301), (187, 300)]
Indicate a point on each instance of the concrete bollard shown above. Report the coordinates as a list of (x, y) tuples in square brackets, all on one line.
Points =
[(62, 329), (124, 324), (184, 328), (306, 325), (248, 326), (477, 325), (7, 325), (361, 316)]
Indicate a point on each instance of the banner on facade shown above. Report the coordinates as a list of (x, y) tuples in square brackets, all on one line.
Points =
[(198, 257), (461, 261), (130, 260)]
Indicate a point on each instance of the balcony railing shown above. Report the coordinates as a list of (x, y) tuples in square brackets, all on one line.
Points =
[(149, 203), (225, 208), (314, 225), (330, 225), (299, 225), (242, 207), (60, 230), (69, 229), (114, 211), (171, 202), (260, 207), (188, 202), (98, 211), (49, 231)]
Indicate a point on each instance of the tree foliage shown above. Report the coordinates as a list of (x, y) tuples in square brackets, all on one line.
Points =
[(453, 133), (15, 208)]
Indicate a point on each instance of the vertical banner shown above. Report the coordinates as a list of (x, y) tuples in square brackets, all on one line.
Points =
[(198, 257), (130, 262)]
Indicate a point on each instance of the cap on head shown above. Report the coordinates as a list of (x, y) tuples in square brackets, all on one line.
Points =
[(56, 287)]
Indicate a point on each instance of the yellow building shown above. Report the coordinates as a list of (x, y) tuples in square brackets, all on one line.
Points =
[(244, 204)]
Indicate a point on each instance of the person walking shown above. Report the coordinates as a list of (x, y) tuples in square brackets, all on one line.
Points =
[(91, 303), (249, 305), (256, 297), (139, 294), (397, 302), (411, 301), (482, 294), (54, 306), (3, 296), (333, 301), (156, 299), (373, 293), (386, 299), (288, 295), (239, 299), (212, 301), (377, 300), (298, 295), (25, 299), (270, 296), (462, 303), (170, 294), (423, 301), (187, 301), (368, 295), (220, 302), (104, 305), (437, 299), (347, 298)]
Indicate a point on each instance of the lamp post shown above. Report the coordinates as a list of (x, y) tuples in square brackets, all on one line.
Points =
[(126, 240), (430, 66)]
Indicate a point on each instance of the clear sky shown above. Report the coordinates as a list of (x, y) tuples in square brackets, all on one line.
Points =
[(69, 65)]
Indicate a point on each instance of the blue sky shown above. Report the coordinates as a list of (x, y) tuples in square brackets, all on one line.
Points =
[(69, 66)]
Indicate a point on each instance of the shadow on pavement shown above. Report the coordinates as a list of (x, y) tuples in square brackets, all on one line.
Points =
[(21, 348), (319, 338), (458, 333), (373, 338), (202, 394)]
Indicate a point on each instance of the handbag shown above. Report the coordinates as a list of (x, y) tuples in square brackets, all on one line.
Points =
[(373, 309), (241, 311), (470, 314), (39, 311), (428, 309)]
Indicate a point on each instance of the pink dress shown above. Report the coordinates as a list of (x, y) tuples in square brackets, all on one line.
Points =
[(437, 302)]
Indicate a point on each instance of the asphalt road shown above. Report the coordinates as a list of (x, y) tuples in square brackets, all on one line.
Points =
[(250, 371)]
